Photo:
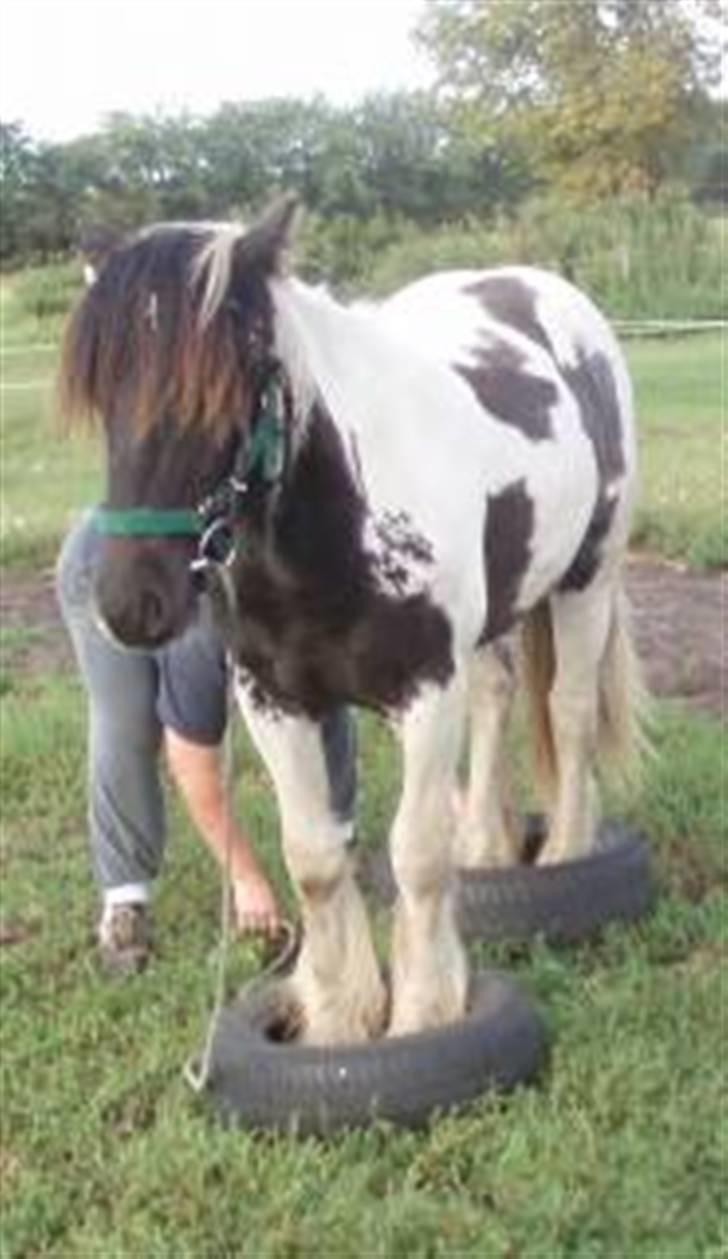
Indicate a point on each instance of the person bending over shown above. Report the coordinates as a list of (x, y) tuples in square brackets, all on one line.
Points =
[(140, 704)]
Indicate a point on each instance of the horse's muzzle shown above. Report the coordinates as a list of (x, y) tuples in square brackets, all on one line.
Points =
[(144, 600)]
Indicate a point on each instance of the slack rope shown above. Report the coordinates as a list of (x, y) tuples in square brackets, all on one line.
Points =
[(197, 1071)]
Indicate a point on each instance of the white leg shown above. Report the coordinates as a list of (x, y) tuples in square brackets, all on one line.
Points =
[(580, 627), (429, 969), (486, 832), (337, 980)]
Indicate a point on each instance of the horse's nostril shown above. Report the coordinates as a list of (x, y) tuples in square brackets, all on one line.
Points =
[(144, 600), (142, 621), (152, 614)]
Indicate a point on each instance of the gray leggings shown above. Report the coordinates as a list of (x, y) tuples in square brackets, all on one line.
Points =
[(130, 697)]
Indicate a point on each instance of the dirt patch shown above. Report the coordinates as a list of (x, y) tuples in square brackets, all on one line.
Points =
[(17, 931), (689, 870), (678, 617), (34, 637), (680, 627)]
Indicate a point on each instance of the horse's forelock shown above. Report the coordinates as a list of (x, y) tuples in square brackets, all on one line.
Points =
[(212, 268), (152, 334)]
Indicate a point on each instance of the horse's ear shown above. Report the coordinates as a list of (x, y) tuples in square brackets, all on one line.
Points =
[(95, 246), (268, 242)]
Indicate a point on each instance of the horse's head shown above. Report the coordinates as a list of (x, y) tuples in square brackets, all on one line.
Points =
[(171, 346)]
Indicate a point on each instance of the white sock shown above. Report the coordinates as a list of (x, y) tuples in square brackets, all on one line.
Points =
[(124, 894)]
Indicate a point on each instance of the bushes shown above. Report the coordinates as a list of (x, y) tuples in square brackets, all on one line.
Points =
[(659, 259), (637, 259), (451, 247), (46, 293), (339, 250)]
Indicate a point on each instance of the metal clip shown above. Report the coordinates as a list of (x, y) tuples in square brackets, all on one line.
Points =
[(216, 546)]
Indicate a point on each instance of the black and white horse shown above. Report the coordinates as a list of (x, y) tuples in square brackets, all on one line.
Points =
[(386, 490)]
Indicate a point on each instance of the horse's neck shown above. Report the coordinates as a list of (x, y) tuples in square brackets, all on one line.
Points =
[(330, 352)]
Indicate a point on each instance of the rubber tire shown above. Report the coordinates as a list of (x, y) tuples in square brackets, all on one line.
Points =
[(565, 904), (257, 1082)]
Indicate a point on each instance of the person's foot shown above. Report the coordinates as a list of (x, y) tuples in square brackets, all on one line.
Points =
[(125, 939)]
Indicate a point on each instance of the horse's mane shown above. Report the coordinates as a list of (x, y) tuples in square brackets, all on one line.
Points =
[(162, 331)]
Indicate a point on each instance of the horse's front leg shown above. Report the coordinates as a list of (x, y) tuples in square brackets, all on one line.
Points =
[(337, 982), (429, 969)]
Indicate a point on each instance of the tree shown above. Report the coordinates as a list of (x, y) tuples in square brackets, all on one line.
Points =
[(417, 161), (18, 160), (388, 159), (602, 94)]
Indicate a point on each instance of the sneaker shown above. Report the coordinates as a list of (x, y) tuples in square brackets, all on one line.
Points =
[(125, 939)]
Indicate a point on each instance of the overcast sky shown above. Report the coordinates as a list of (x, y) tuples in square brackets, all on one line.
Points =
[(66, 63)]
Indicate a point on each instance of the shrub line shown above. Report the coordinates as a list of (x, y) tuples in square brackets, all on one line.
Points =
[(28, 349)]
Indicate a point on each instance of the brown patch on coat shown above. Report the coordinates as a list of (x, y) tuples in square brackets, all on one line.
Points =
[(401, 547), (593, 385), (312, 626), (511, 301), (509, 392), (509, 521)]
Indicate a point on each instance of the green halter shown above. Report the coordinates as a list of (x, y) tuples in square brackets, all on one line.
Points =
[(265, 455), (151, 522)]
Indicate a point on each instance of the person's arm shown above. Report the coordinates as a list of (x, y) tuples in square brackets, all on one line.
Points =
[(196, 770)]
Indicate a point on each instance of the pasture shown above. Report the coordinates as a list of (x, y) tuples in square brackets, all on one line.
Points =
[(617, 1152)]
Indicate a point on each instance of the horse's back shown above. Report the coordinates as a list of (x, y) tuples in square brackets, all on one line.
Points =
[(539, 309), (502, 329), (554, 393)]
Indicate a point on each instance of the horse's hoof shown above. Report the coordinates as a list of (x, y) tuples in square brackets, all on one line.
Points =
[(263, 1078), (418, 1011), (343, 1019), (323, 1030), (416, 1022)]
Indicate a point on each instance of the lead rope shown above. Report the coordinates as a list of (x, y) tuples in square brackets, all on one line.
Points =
[(198, 1068)]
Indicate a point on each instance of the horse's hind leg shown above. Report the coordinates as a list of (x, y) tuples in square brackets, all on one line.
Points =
[(580, 625), (337, 982), (486, 835), (429, 970)]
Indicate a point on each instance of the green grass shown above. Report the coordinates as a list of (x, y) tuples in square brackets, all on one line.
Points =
[(105, 1151), (619, 1150), (34, 303), (680, 388), (45, 477)]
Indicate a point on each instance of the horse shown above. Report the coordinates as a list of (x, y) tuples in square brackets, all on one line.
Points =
[(373, 496)]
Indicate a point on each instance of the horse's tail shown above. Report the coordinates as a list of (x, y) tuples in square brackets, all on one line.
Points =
[(539, 669), (622, 703), (624, 713)]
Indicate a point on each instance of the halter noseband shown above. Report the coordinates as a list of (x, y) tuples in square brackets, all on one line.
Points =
[(150, 522), (259, 462)]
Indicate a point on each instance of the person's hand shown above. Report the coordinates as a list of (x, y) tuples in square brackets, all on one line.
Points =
[(256, 908)]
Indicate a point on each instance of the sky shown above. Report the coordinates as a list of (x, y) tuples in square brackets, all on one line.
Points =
[(64, 64)]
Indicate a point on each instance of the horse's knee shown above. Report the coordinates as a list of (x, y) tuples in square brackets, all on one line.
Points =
[(421, 857), (493, 676), (420, 874), (316, 866)]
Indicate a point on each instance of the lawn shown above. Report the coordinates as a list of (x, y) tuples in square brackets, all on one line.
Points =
[(618, 1152), (680, 388)]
